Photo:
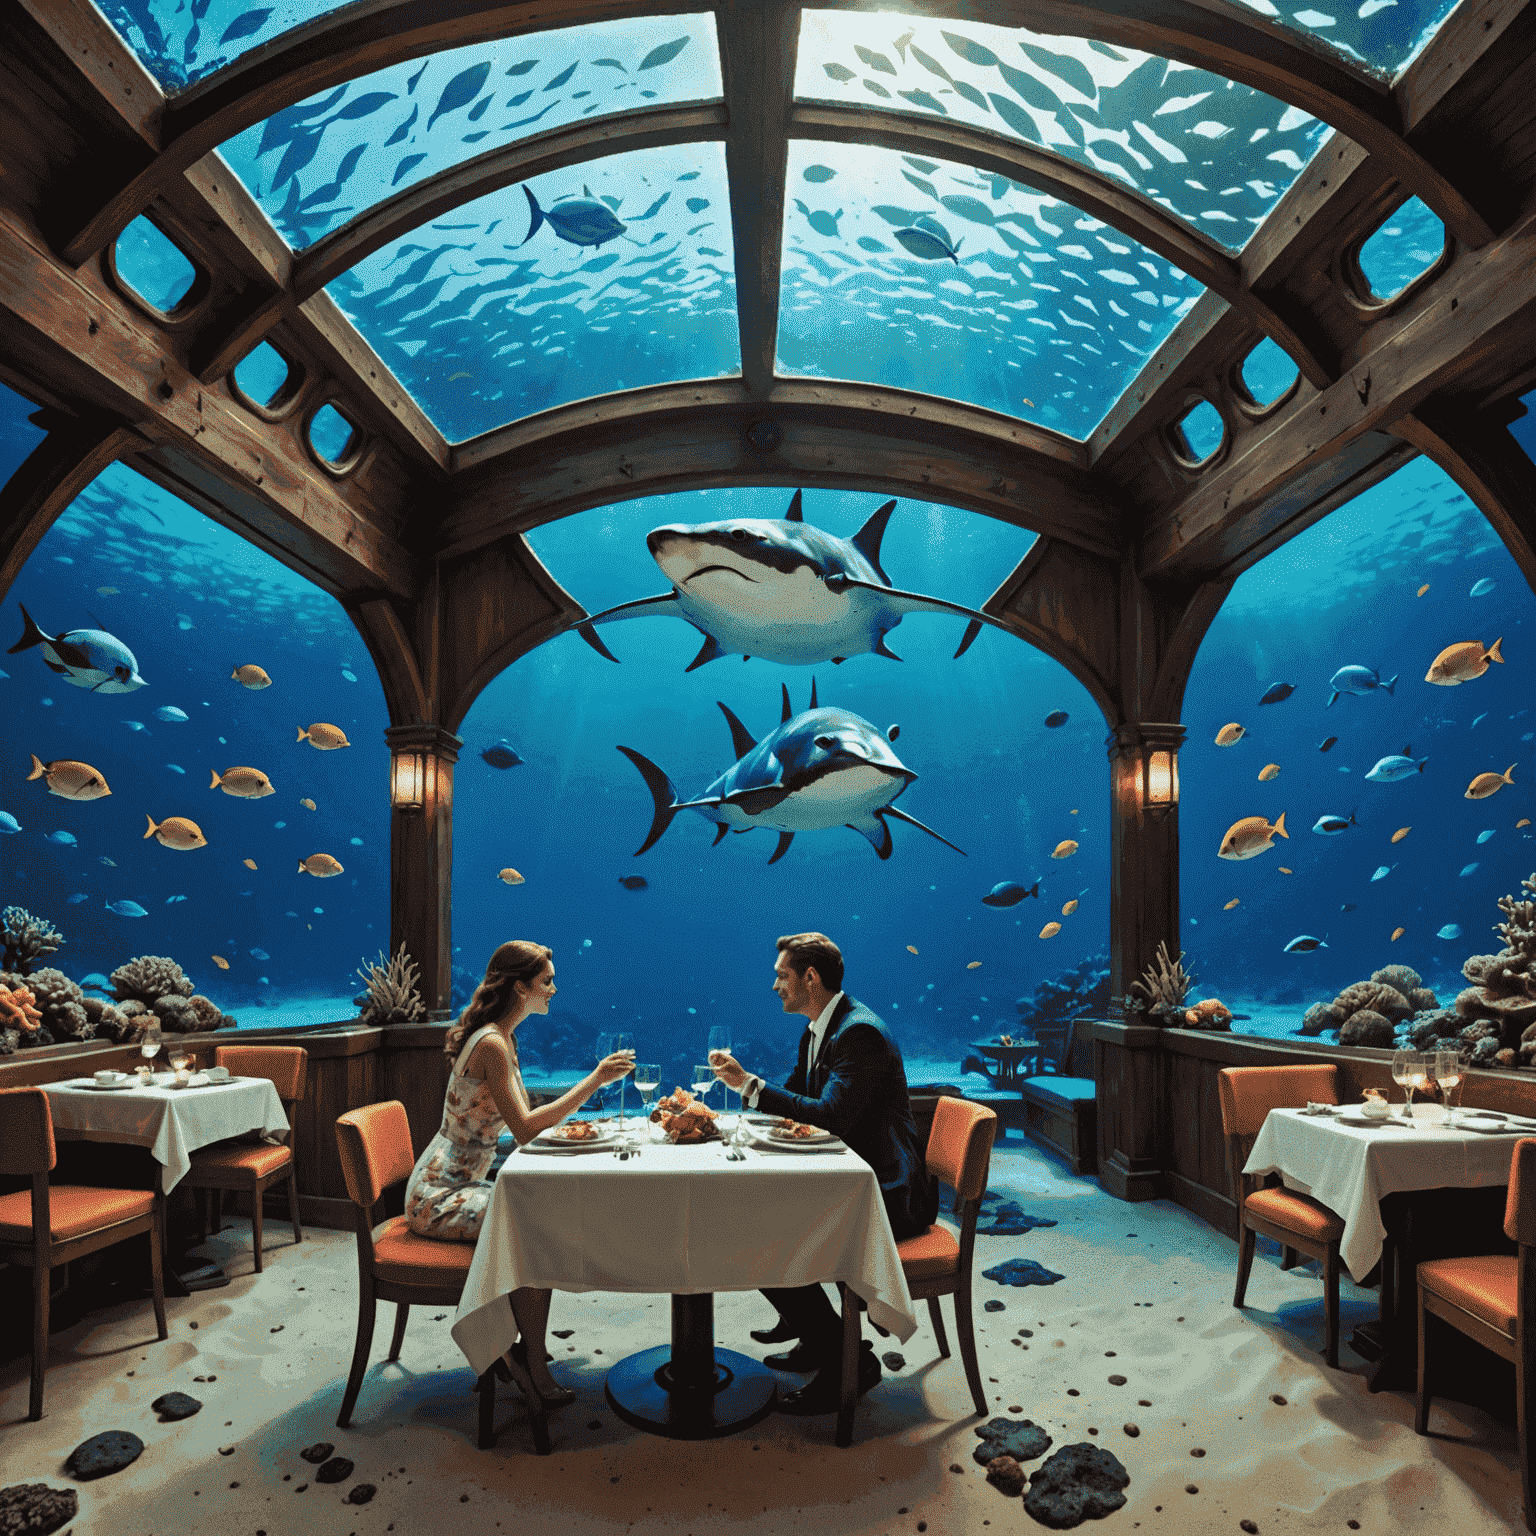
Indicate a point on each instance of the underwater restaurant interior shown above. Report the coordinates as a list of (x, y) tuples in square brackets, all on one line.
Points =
[(1051, 440)]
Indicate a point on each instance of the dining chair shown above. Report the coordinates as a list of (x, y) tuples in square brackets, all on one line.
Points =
[(252, 1166), (1492, 1298), (1295, 1221), (54, 1223), (394, 1263), (935, 1262)]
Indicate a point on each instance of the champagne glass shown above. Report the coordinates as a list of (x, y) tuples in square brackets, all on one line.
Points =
[(1447, 1074), (149, 1044), (1402, 1073), (1418, 1073), (603, 1047), (623, 1043), (703, 1080), (720, 1045), (647, 1081)]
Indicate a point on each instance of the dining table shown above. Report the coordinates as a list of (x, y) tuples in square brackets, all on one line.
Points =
[(1015, 1060), (687, 1220), (1396, 1182)]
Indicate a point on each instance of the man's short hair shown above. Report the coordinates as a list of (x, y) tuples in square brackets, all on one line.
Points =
[(814, 949)]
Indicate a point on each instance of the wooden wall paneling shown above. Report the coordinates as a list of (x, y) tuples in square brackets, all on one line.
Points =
[(1187, 1134), (415, 1070), (1132, 1086)]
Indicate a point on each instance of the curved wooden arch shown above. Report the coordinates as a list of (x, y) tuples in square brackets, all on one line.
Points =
[(340, 47), (394, 659)]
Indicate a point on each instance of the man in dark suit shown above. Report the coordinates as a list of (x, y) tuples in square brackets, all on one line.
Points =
[(849, 1080)]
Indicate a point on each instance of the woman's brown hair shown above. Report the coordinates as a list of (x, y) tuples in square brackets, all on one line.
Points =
[(518, 960)]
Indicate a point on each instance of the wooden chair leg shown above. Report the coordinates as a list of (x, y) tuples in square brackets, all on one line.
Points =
[(1331, 1307), (1244, 1263), (849, 1394), (42, 1278), (360, 1350), (256, 1202), (1421, 1413), (402, 1311), (157, 1262), (293, 1204), (967, 1332), (1388, 1282), (936, 1318), (1525, 1424), (485, 1387), (1289, 1258)]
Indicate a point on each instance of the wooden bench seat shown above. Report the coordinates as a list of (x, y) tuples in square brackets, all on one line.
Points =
[(1061, 1108)]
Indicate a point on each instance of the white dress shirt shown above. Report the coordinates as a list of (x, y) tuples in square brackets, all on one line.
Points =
[(754, 1085)]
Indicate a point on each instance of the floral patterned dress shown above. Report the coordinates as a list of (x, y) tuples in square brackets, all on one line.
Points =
[(448, 1192)]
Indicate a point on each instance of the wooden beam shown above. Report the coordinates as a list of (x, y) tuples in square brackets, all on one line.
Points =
[(94, 47)]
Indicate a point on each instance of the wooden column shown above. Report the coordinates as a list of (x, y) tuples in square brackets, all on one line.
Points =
[(421, 859)]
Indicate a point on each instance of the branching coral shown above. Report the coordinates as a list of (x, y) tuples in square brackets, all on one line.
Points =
[(1503, 990), (147, 978), (108, 1021), (24, 940), (1164, 986), (392, 996), (20, 1017), (1210, 1014)]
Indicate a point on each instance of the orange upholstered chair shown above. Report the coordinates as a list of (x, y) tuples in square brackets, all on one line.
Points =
[(1492, 1298), (1293, 1220), (393, 1263), (936, 1263), (248, 1166), (54, 1223)]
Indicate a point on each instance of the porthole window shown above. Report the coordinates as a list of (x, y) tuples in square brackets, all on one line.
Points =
[(1266, 375), (1405, 247), (1197, 434), (150, 265), (333, 438), (265, 379)]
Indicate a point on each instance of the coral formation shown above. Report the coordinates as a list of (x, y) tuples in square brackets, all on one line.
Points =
[(1210, 1014), (1069, 995), (1366, 1027), (209, 1014), (392, 996), (108, 1020), (60, 1001), (24, 940), (1164, 986), (1401, 977), (1501, 1002), (147, 978), (176, 1013), (20, 1017)]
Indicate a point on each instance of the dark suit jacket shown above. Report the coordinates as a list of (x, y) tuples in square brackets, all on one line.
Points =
[(858, 1091)]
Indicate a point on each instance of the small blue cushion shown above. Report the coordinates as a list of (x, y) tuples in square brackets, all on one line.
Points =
[(1065, 1092)]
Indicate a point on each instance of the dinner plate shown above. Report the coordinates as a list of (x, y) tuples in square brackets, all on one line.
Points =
[(780, 1136), (831, 1144), (1486, 1124), (1356, 1119), (90, 1082), (548, 1139), (764, 1119)]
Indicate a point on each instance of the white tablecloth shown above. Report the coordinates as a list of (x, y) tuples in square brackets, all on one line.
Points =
[(1349, 1168), (679, 1220), (172, 1122)]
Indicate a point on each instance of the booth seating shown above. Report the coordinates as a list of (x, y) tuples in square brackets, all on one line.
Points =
[(1060, 1106)]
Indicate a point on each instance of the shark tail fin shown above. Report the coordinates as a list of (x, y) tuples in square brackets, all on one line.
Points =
[(590, 635), (784, 719), (813, 704), (912, 821), (972, 629), (536, 215), (662, 793), (795, 514), (874, 828), (741, 737), (1387, 687), (867, 539), (709, 651), (785, 839), (30, 635), (720, 830)]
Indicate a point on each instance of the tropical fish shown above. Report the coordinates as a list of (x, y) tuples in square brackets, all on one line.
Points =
[(1524, 821), (170, 714), (1450, 931), (1360, 680), (107, 591), (1269, 771), (249, 863), (1064, 849), (1302, 943), (1327, 746), (1349, 906), (1461, 662), (1009, 893), (1231, 903), (1486, 784), (822, 768), (911, 949), (1276, 692), (321, 865), (1397, 933), (68, 779), (1283, 870), (220, 961), (260, 954), (183, 622), (88, 658), (137, 725), (1389, 770), (176, 832), (327, 738), (1251, 836), (108, 862), (308, 804), (351, 677), (1422, 590), (170, 900), (578, 221), (633, 882), (1228, 735), (1382, 871), (251, 676), (1468, 869), (64, 839), (972, 965), (175, 768), (8, 823), (1056, 718), (127, 909), (1482, 588), (356, 842), (1477, 718), (1331, 826), (1050, 930), (780, 589), (509, 876), (95, 981), (926, 245), (1401, 833), (1483, 837), (243, 783), (1069, 908), (501, 755)]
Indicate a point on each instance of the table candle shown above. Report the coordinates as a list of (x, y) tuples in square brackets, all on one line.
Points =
[(183, 1077)]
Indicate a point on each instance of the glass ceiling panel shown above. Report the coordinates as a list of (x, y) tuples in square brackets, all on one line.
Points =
[(179, 41), (502, 309), (330, 157), (1381, 36), (1215, 153), (922, 274)]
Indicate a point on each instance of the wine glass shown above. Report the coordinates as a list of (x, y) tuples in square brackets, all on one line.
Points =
[(720, 1045), (149, 1044), (647, 1081), (178, 1058), (1419, 1067), (1447, 1074), (603, 1047), (1402, 1075), (623, 1043), (703, 1080)]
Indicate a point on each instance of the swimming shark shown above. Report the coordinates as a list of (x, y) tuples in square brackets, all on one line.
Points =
[(822, 768), (779, 588), (88, 658)]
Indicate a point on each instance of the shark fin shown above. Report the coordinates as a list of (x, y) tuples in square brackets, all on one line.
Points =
[(917, 602), (785, 839), (741, 737), (971, 631), (662, 793), (867, 539), (709, 651), (589, 634), (788, 714), (794, 515), (720, 830), (875, 829), (753, 802), (663, 606), (536, 215), (880, 648), (30, 635), (813, 704), (912, 821)]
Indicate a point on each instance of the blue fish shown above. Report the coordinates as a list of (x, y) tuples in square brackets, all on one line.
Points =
[(351, 677), (634, 882), (171, 900), (1483, 837), (95, 981), (1360, 680), (823, 768), (1469, 869), (1056, 718), (77, 898), (137, 725), (356, 842), (183, 622), (578, 221), (1483, 588), (780, 589), (175, 767), (1476, 718), (88, 658), (1333, 825), (260, 954), (1349, 906), (1009, 893), (1276, 692), (500, 754), (126, 909), (928, 246), (1302, 943), (170, 713), (1327, 746), (67, 839), (1450, 931), (1382, 871), (1389, 770), (8, 823)]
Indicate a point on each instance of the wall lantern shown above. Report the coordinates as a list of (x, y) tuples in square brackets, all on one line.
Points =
[(1160, 780), (408, 781)]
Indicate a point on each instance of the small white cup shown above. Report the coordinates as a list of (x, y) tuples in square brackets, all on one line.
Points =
[(107, 1076)]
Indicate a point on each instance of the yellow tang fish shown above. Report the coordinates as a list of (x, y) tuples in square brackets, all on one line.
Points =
[(243, 783), (1397, 933), (1401, 833), (1064, 849), (1073, 811), (1229, 734), (176, 832), (251, 676), (1251, 836), (1461, 662), (1422, 590), (509, 876), (1284, 871), (1269, 771), (972, 966), (1524, 821), (1050, 930), (1486, 784), (308, 804), (1070, 908), (327, 738), (68, 779), (321, 865), (249, 863), (1231, 903), (220, 961), (911, 949)]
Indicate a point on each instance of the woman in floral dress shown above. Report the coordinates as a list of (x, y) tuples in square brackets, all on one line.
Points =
[(448, 1191)]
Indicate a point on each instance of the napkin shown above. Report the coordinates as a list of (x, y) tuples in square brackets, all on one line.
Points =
[(1318, 1109)]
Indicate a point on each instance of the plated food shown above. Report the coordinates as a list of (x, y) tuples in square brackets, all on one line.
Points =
[(794, 1130), (686, 1119), (573, 1131)]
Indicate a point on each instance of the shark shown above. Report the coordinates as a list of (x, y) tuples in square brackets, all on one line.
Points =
[(88, 658), (821, 768), (781, 589)]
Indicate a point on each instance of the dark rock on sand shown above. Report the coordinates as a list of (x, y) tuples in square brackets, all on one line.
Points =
[(1080, 1482), (1006, 1475), (337, 1470), (562, 1333), (103, 1454), (994, 1305), (35, 1509), (1009, 1220), (1021, 1439), (1021, 1272), (893, 1361), (322, 1451), (175, 1405), (360, 1494)]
